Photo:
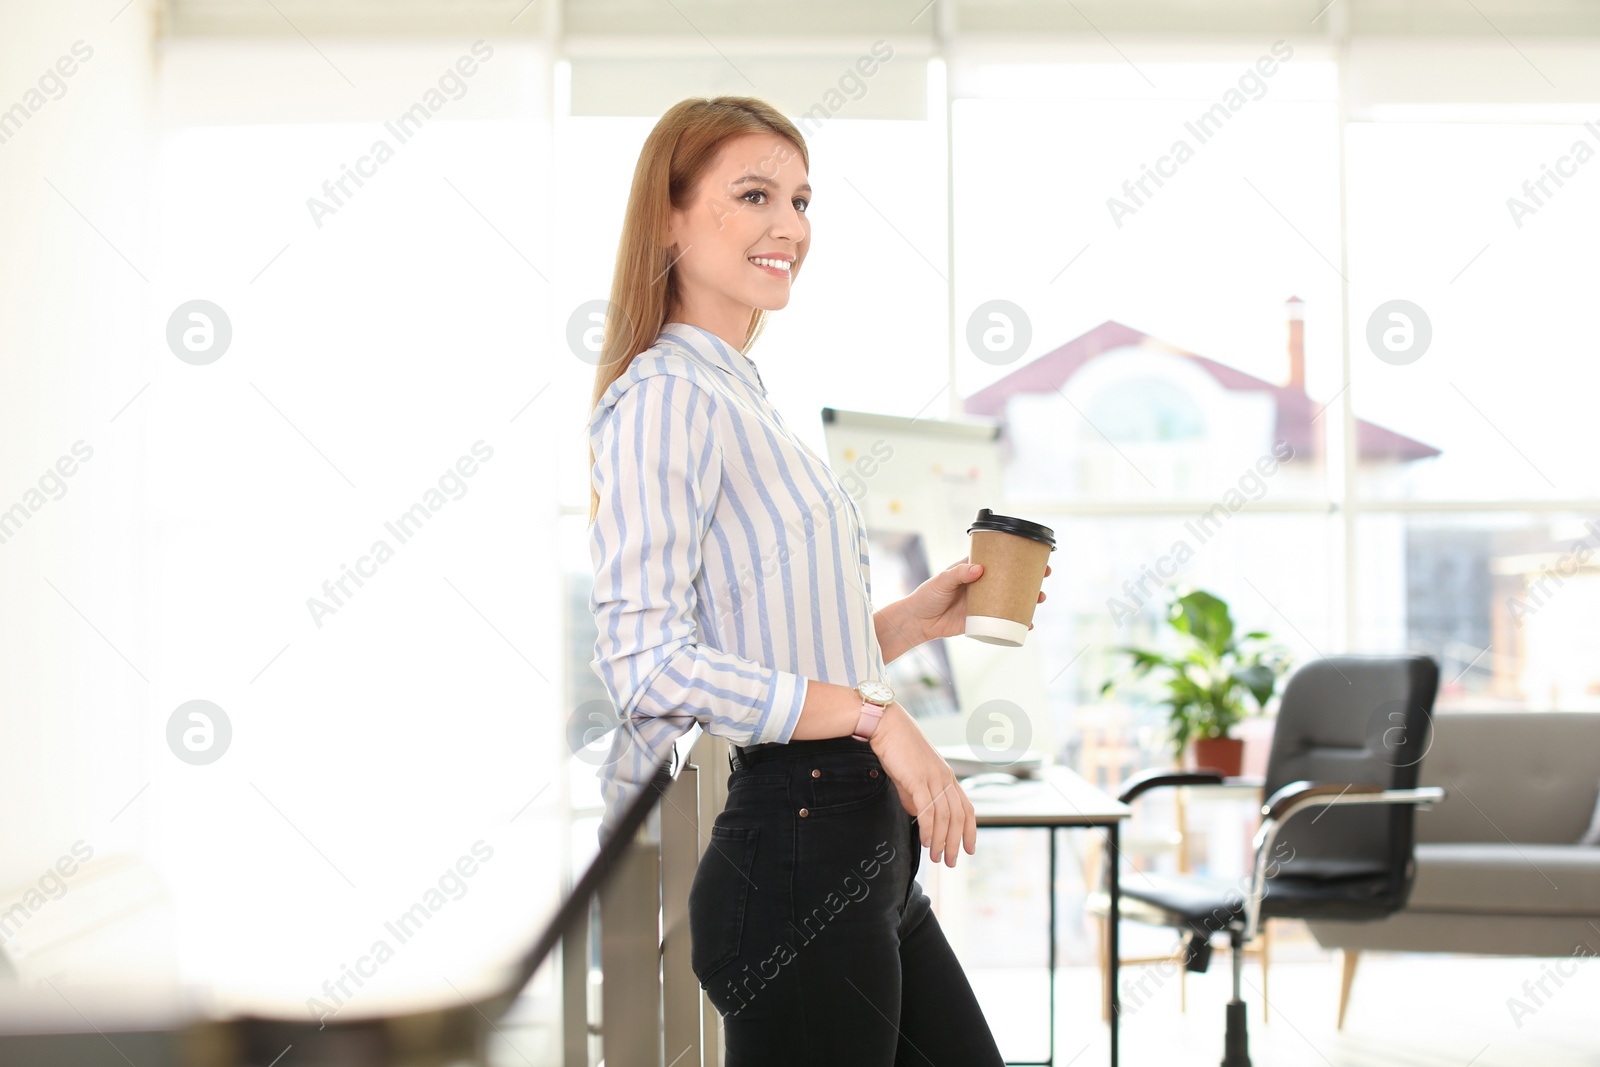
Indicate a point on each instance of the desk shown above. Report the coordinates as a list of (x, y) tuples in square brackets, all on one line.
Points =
[(1058, 797)]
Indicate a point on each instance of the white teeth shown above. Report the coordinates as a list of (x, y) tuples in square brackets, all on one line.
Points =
[(781, 264)]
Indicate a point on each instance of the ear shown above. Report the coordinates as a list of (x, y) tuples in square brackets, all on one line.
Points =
[(677, 218)]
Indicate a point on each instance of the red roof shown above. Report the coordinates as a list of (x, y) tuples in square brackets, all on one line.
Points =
[(1295, 408)]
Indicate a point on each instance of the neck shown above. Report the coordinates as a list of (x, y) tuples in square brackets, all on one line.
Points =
[(729, 326)]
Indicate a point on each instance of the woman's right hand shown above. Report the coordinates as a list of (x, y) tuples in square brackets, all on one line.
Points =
[(927, 786)]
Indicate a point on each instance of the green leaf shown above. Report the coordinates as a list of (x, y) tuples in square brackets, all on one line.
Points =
[(1259, 680), (1207, 618), (1209, 676)]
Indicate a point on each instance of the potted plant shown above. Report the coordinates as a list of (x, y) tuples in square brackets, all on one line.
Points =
[(1209, 679)]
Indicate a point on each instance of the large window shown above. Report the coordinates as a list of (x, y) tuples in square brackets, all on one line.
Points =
[(1474, 225)]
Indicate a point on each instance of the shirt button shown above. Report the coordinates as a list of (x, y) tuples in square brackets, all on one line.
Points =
[(815, 773), (873, 772), (804, 812)]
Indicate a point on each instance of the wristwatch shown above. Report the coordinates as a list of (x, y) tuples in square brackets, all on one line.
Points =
[(875, 697)]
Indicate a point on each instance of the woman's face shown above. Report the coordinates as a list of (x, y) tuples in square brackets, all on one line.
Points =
[(751, 204)]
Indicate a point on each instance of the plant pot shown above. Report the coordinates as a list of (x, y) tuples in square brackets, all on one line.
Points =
[(1225, 754)]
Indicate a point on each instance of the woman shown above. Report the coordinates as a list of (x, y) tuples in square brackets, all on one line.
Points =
[(733, 589)]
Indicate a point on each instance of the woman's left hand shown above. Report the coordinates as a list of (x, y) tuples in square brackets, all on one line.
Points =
[(939, 605)]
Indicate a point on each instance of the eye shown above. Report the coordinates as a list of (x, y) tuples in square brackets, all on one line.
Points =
[(800, 201)]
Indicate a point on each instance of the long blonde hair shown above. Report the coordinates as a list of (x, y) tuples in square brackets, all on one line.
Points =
[(644, 286)]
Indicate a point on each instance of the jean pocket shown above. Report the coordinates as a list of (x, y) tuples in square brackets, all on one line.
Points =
[(718, 897), (833, 789)]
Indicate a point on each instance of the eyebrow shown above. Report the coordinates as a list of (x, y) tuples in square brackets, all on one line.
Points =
[(806, 188)]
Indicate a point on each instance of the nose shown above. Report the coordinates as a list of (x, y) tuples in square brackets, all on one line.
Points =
[(789, 224)]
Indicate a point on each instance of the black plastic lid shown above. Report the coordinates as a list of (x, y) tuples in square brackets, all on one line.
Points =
[(988, 520)]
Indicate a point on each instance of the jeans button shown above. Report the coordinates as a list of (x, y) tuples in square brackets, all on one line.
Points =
[(873, 772), (815, 773), (804, 812)]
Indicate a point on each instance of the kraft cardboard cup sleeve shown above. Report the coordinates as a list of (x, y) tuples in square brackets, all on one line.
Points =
[(1014, 553)]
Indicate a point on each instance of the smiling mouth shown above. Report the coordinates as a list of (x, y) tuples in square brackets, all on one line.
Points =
[(767, 266)]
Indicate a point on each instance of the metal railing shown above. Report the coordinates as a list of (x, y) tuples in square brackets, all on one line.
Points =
[(653, 1012)]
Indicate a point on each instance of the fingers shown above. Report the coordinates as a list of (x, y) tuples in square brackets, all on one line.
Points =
[(958, 829), (954, 822), (941, 827), (946, 823), (965, 830), (924, 830), (946, 820)]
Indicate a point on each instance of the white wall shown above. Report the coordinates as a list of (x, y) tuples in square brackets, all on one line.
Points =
[(404, 337), (77, 255)]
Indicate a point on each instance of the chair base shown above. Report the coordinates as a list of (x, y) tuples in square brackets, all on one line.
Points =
[(1236, 1042)]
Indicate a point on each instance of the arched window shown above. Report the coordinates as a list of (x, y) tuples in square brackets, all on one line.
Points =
[(1146, 409)]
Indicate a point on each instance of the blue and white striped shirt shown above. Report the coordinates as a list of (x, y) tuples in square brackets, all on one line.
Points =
[(730, 562)]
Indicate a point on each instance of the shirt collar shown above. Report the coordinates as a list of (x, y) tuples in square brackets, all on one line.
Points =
[(713, 349)]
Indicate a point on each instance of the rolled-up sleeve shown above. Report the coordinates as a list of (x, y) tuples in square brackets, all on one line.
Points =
[(657, 473)]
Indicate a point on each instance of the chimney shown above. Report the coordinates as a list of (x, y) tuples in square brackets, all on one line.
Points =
[(1297, 343)]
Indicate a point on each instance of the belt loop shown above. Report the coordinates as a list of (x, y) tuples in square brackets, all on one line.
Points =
[(733, 762)]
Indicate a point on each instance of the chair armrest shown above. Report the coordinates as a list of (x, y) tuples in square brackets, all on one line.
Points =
[(1287, 799), (1297, 797), (1161, 778)]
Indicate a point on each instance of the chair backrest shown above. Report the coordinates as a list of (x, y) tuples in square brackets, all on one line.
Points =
[(1359, 719)]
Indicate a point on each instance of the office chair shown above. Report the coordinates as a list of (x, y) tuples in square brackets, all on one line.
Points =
[(1350, 735)]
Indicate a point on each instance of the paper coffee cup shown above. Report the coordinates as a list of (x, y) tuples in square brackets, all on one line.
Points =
[(1014, 553)]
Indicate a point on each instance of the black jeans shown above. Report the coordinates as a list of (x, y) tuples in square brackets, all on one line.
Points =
[(808, 932)]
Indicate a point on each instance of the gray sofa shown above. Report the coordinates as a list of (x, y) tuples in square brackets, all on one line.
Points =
[(1499, 867)]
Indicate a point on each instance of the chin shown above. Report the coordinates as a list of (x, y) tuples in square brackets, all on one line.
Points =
[(766, 300)]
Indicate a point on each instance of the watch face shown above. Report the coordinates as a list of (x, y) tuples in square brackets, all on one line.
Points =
[(877, 692)]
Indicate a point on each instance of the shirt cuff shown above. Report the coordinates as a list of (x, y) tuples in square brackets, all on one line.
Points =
[(788, 697)]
